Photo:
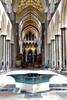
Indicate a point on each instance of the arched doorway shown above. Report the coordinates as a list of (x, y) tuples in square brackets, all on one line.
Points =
[(30, 56)]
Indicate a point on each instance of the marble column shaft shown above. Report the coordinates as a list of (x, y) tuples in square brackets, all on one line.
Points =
[(57, 51), (53, 54), (12, 54), (3, 52), (63, 43), (21, 47), (49, 55), (8, 54)]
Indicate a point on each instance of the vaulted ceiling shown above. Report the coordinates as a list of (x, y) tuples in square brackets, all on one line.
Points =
[(27, 11), (23, 8), (31, 15), (29, 6)]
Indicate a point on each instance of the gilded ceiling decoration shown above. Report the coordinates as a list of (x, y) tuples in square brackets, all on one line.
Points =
[(30, 5)]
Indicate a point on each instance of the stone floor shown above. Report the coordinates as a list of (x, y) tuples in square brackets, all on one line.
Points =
[(52, 95)]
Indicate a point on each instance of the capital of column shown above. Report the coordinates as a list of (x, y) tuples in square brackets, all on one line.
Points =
[(8, 38), (63, 28), (53, 39), (0, 28), (3, 34), (12, 43), (57, 35), (49, 43)]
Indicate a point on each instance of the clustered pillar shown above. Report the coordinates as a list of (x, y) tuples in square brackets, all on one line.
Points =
[(3, 52), (6, 53), (57, 51)]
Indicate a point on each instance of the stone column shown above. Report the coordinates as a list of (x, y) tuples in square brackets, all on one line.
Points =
[(45, 50), (12, 55), (63, 45), (49, 55), (0, 52), (33, 57), (53, 53), (57, 49), (3, 52), (66, 48), (21, 47), (26, 58), (8, 53)]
